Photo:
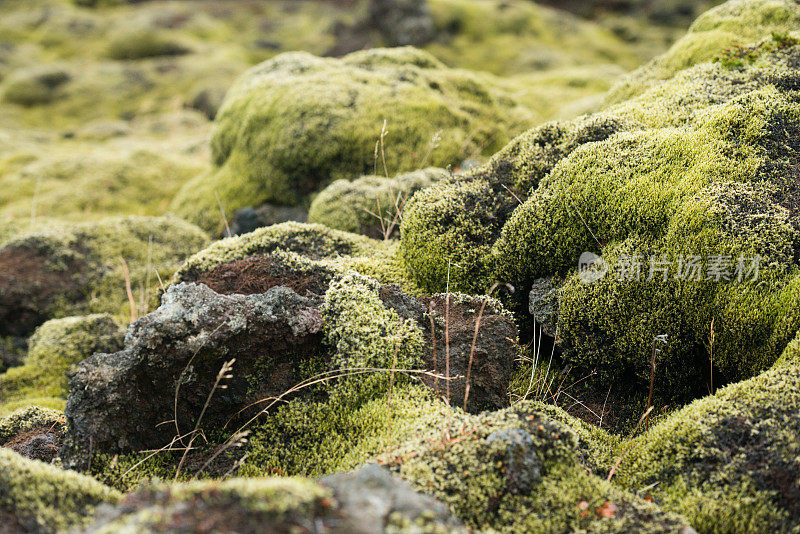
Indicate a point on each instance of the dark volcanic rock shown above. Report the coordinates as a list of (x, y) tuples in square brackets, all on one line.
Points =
[(543, 304), (493, 354), (126, 401), (403, 22), (248, 219), (34, 273)]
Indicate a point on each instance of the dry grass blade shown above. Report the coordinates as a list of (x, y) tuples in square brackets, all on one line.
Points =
[(127, 274)]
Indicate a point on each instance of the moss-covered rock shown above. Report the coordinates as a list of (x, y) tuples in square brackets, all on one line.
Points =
[(54, 348), (736, 22), (304, 248), (370, 205), (293, 124), (36, 497), (698, 166), (72, 269), (518, 470), (728, 462), (369, 500), (145, 42)]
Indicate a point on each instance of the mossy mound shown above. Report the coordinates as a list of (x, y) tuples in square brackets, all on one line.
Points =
[(736, 22), (73, 269), (36, 497), (34, 86), (518, 470), (701, 166), (293, 124), (145, 42), (728, 462), (370, 205), (54, 348)]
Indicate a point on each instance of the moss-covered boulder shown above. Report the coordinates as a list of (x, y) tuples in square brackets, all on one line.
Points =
[(33, 432), (81, 268), (699, 169), (736, 22), (370, 205), (54, 349), (39, 498), (292, 125), (519, 470), (197, 343), (728, 462), (369, 500)]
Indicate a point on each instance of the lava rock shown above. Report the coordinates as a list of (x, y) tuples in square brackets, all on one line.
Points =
[(159, 384)]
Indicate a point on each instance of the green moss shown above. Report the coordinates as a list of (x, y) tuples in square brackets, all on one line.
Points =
[(447, 233), (85, 259), (30, 418), (735, 22), (518, 470), (38, 497), (370, 204), (292, 125), (54, 349), (95, 183), (319, 438), (728, 461)]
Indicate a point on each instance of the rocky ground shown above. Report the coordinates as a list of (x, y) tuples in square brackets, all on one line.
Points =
[(410, 266)]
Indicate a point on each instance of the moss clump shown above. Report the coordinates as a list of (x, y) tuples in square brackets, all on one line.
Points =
[(145, 42), (75, 269), (28, 419), (36, 85), (293, 124), (370, 204), (518, 470), (734, 22), (729, 462), (319, 438), (239, 504), (36, 497), (54, 348), (447, 234), (364, 332)]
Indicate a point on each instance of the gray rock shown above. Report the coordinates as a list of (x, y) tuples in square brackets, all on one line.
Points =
[(403, 22), (248, 219), (543, 304), (129, 400), (371, 499)]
